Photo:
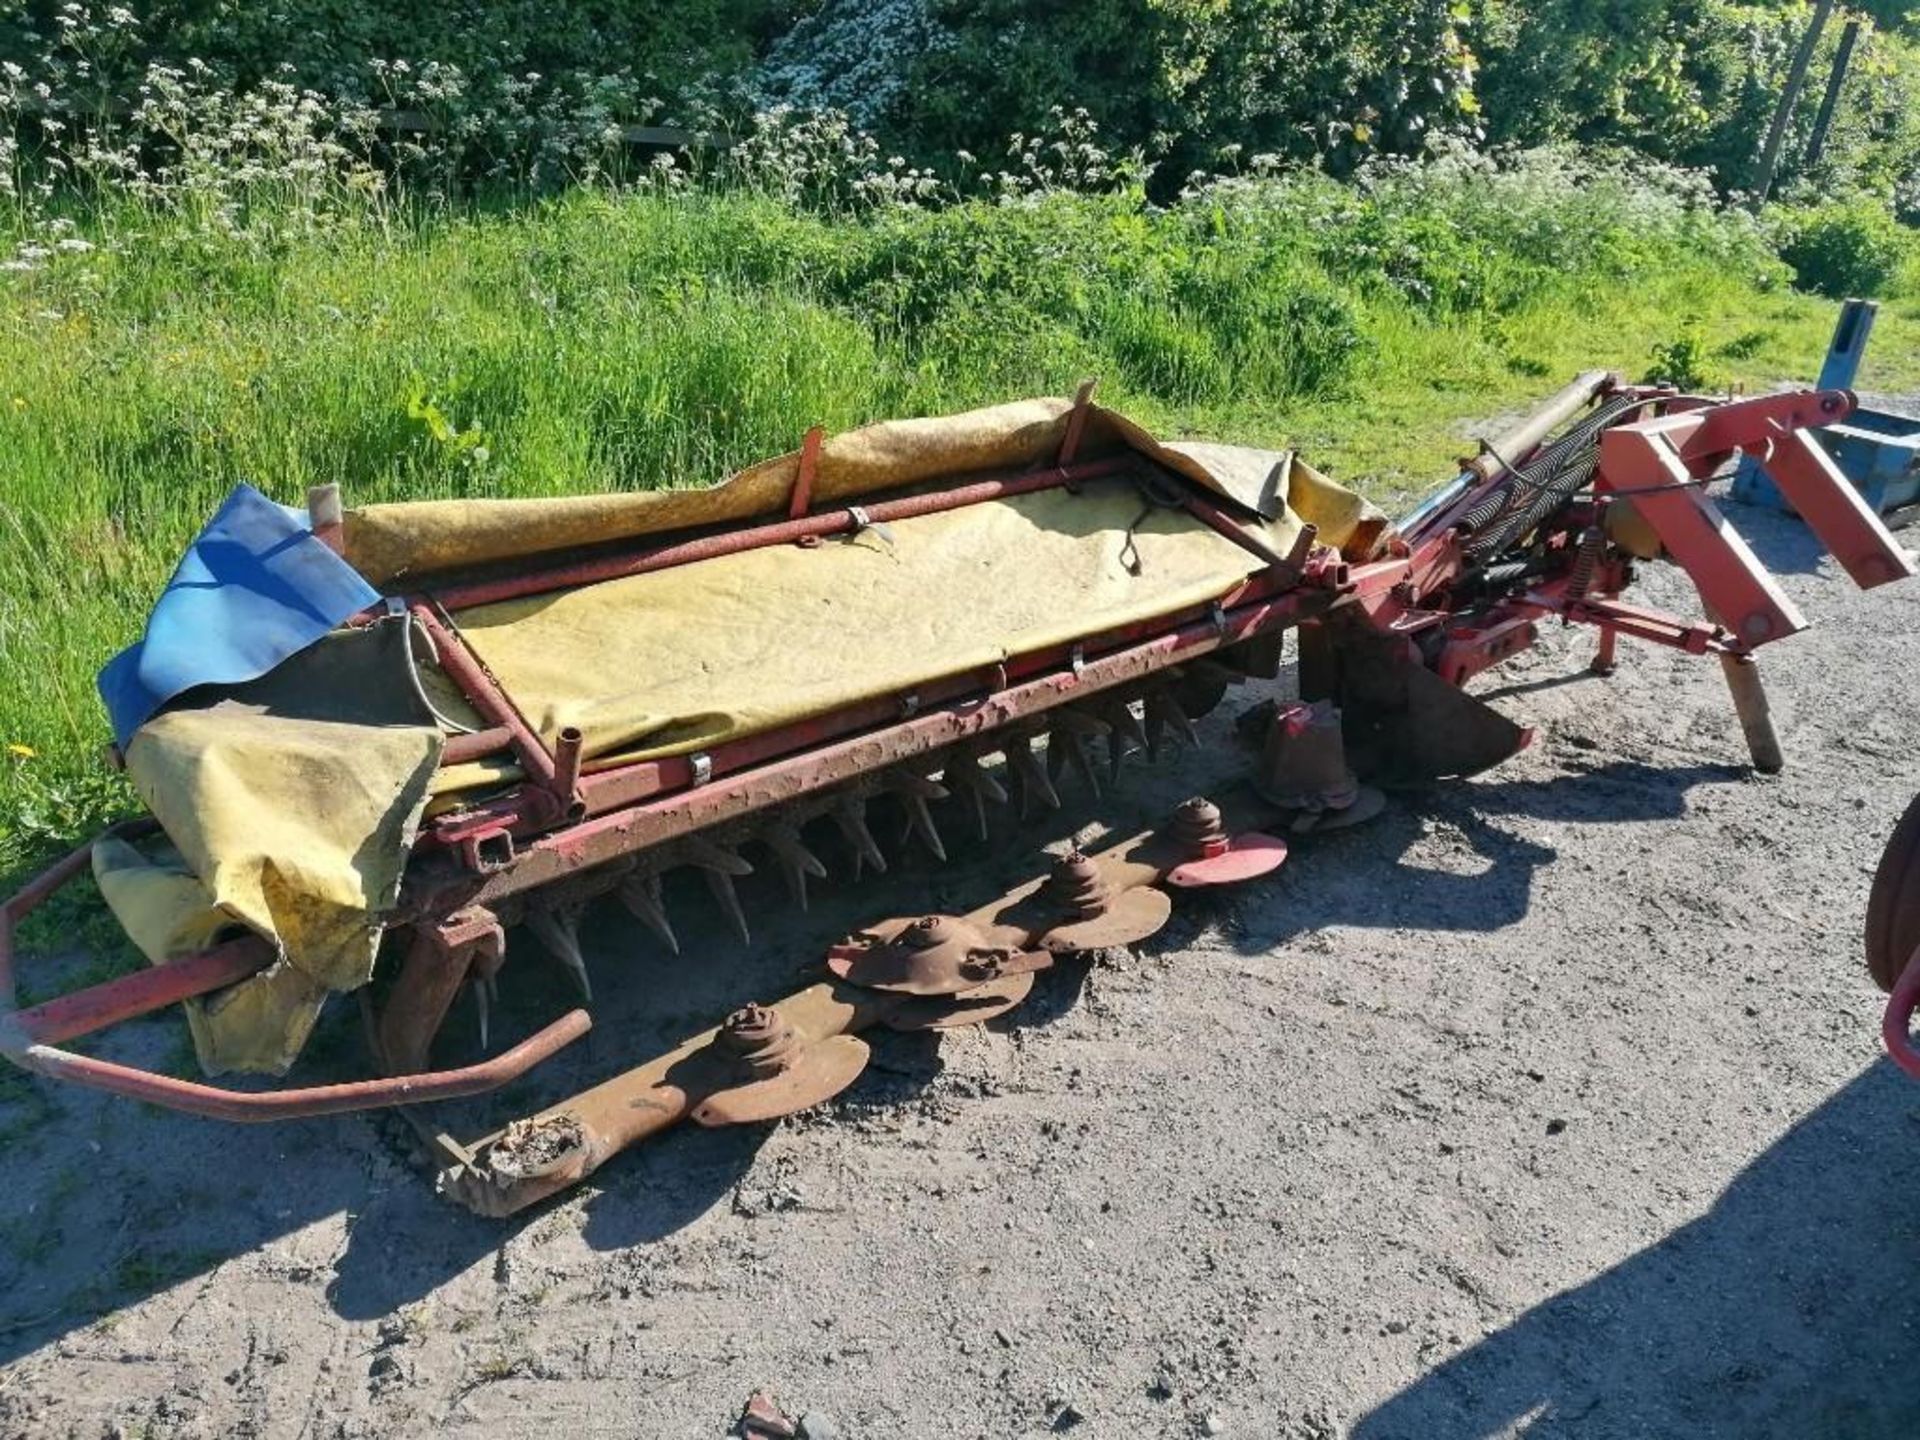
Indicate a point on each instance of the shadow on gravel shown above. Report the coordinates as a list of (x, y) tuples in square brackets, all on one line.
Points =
[(1788, 1309), (1442, 860), (113, 1204), (1783, 542)]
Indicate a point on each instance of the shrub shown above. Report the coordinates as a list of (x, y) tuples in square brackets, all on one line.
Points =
[(1682, 359), (1844, 249)]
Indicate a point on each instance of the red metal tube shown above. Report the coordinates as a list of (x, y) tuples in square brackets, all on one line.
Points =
[(36, 890), (606, 837), (142, 992), (29, 896), (23, 1034), (1212, 516), (459, 749), (248, 1107), (779, 532), (486, 696), (801, 500), (566, 767)]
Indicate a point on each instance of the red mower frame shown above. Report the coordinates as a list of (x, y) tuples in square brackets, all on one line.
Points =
[(1438, 605)]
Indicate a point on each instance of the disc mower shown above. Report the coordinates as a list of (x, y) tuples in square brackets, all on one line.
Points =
[(376, 742)]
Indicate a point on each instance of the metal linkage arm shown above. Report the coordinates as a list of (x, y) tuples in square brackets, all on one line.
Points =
[(1658, 463)]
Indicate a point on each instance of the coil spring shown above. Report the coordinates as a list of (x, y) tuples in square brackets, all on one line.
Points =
[(1586, 560), (1536, 489)]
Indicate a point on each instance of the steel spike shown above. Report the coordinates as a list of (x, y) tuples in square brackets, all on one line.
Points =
[(1069, 746), (721, 883), (912, 782), (1074, 723), (796, 862), (967, 773), (642, 896), (979, 803), (966, 777), (1163, 714), (851, 816), (1124, 733), (481, 1005), (920, 821), (1027, 768), (555, 929), (713, 858)]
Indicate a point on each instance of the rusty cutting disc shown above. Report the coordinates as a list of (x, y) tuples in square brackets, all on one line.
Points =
[(819, 1070), (931, 955), (1247, 857), (1130, 916), (969, 1007)]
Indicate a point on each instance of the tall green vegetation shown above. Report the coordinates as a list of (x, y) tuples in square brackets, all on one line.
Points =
[(535, 92)]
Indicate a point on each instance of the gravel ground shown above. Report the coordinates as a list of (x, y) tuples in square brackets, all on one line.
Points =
[(1548, 1104)]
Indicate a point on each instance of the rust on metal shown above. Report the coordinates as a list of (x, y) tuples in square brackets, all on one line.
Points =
[(82, 1012), (1077, 885), (1303, 762), (467, 671), (1127, 918), (1208, 856), (931, 955), (604, 838), (652, 1097), (1198, 829), (801, 501), (970, 1007), (1076, 423), (775, 1071)]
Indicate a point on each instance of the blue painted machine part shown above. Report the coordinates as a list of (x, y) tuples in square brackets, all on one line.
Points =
[(254, 587), (1879, 453)]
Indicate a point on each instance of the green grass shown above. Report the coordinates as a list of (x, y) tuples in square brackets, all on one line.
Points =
[(604, 342)]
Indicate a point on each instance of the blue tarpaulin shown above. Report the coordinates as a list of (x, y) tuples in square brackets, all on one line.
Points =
[(253, 588)]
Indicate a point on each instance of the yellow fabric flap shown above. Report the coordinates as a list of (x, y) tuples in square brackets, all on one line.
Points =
[(292, 802), (394, 544), (299, 828), (256, 1026)]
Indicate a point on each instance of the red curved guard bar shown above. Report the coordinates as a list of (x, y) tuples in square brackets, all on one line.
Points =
[(1896, 1023), (101, 1005), (141, 992), (249, 1107), (35, 892)]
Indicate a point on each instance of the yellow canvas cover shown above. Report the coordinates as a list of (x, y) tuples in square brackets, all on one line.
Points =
[(397, 545), (692, 657), (292, 802)]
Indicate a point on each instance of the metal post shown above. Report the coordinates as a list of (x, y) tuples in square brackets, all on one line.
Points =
[(326, 516), (1841, 59), (1849, 345), (1750, 704), (1789, 96)]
